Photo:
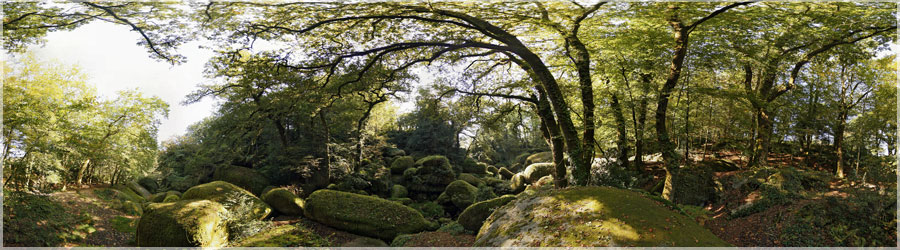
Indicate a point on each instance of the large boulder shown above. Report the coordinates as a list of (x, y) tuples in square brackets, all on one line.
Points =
[(535, 171), (491, 170), (469, 165), (234, 198), (291, 235), (471, 179), (460, 193), (694, 186), (542, 157), (590, 216), (473, 217), (401, 164), (284, 201), (432, 175), (245, 178), (720, 165), (149, 183), (364, 215), (393, 152), (517, 183), (505, 173), (137, 188), (188, 223), (159, 197), (398, 191)]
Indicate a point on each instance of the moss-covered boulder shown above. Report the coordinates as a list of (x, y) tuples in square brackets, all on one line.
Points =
[(171, 198), (393, 152), (401, 164), (460, 193), (695, 186), (398, 191), (591, 216), (284, 201), (138, 189), (232, 197), (469, 165), (363, 215), (542, 157), (517, 183), (159, 197), (365, 242), (245, 178), (473, 217), (284, 236), (492, 170), (128, 194), (132, 208), (720, 165), (471, 179), (795, 179), (543, 182), (535, 171), (149, 183), (432, 175), (505, 173), (188, 223)]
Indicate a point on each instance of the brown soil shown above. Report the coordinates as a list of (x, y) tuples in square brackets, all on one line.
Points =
[(85, 201)]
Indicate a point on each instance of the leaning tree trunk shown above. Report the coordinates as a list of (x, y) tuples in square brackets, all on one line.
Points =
[(667, 148), (554, 138)]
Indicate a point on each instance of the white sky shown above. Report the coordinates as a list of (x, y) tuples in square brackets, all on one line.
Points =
[(113, 61)]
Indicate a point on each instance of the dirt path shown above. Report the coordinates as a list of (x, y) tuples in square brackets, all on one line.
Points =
[(85, 201)]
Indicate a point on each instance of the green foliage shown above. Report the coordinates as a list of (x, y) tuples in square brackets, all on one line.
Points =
[(864, 219), (429, 209), (769, 196), (37, 221), (123, 224)]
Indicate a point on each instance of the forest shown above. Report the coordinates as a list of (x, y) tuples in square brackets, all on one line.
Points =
[(462, 124)]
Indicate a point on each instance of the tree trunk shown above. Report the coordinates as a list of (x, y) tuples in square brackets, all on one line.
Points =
[(670, 159), (80, 176), (622, 142), (764, 135), (839, 143), (554, 138)]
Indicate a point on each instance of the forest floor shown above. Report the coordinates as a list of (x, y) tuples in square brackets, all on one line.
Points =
[(113, 227)]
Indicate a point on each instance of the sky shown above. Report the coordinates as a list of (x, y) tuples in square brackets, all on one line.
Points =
[(113, 61)]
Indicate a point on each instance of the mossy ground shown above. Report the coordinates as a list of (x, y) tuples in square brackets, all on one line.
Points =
[(284, 236), (591, 216)]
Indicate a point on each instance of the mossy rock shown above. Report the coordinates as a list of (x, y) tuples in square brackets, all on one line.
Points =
[(720, 165), (429, 209), (132, 208), (492, 170), (473, 217), (149, 183), (521, 159), (138, 189), (792, 179), (404, 200), (694, 185), (245, 178), (398, 191), (221, 192), (454, 228), (365, 242), (505, 173), (187, 223), (460, 193), (126, 193), (469, 165), (171, 198), (401, 164), (542, 157), (284, 236), (363, 215), (284, 201), (471, 179), (543, 183), (432, 175), (159, 197), (517, 183), (535, 171), (591, 216), (393, 152)]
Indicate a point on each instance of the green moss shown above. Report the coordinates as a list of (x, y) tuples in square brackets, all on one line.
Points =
[(284, 236), (364, 215), (492, 170), (149, 183), (535, 171), (138, 189), (401, 240), (541, 157), (517, 183), (131, 208), (128, 194), (123, 224), (471, 179), (401, 164), (160, 197), (284, 201), (398, 191), (432, 175), (469, 165), (221, 192), (429, 209), (246, 178), (460, 193), (183, 224), (473, 217), (454, 228), (171, 198), (591, 216)]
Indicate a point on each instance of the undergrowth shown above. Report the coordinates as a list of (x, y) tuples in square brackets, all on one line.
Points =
[(37, 221)]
